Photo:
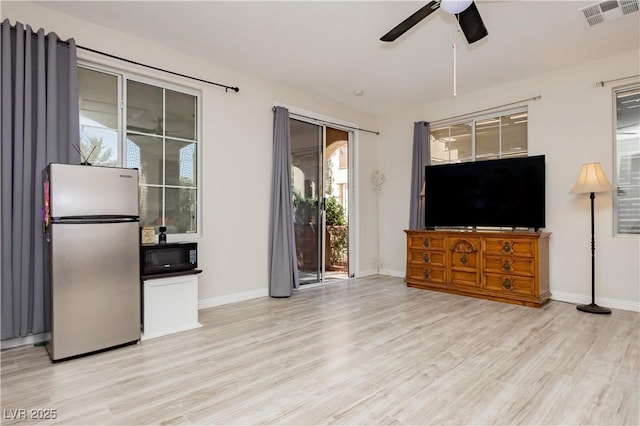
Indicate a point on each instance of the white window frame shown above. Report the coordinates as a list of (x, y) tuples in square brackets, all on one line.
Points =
[(472, 120), (616, 183), (123, 76)]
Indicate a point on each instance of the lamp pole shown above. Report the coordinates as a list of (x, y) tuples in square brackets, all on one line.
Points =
[(593, 251), (592, 307)]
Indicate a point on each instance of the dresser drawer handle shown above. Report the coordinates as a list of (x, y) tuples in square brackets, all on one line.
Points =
[(463, 260), (426, 274), (426, 258), (506, 247), (506, 265), (506, 284), (425, 242)]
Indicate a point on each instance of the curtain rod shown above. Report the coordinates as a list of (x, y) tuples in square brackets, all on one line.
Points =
[(226, 88), (535, 98), (602, 83), (329, 122)]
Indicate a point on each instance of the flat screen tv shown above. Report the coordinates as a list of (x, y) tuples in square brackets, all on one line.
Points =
[(492, 193)]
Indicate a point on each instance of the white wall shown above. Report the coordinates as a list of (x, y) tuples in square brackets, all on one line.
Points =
[(571, 124), (236, 152)]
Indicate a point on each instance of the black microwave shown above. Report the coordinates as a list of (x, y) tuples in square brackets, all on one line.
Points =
[(168, 258)]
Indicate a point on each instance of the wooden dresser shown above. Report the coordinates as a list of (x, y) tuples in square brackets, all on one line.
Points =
[(508, 267)]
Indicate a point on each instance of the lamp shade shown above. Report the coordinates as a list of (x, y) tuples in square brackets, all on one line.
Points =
[(455, 6), (591, 179)]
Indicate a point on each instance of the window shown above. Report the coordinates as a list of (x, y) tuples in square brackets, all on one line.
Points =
[(127, 121), (481, 138), (627, 161)]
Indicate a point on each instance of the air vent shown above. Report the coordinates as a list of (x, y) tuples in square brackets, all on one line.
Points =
[(629, 6), (609, 10)]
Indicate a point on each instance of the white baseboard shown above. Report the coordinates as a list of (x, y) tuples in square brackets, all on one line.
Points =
[(581, 299), (366, 273), (232, 298), (394, 273), (167, 331), (387, 272), (22, 341)]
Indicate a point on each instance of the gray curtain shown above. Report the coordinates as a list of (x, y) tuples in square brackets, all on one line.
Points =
[(421, 158), (39, 124), (283, 267)]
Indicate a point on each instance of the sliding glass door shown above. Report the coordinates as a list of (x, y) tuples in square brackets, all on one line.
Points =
[(320, 186), (307, 183)]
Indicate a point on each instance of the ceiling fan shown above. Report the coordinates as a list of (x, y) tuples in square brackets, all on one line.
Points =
[(465, 11)]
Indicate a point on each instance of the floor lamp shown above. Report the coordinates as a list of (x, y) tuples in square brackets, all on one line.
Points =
[(590, 181)]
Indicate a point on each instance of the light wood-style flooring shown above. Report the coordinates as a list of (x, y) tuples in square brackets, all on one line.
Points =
[(363, 351)]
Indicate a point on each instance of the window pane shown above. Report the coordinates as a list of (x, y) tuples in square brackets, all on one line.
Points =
[(145, 153), (180, 163), (627, 179), (439, 139), (144, 108), (180, 115), (98, 98), (488, 139), (451, 144), (460, 146), (99, 146), (180, 210), (150, 206), (514, 135)]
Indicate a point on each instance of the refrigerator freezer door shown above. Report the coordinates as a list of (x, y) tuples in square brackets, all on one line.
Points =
[(80, 191), (95, 287)]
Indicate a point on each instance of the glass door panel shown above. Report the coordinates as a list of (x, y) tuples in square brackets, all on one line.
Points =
[(307, 189), (336, 259)]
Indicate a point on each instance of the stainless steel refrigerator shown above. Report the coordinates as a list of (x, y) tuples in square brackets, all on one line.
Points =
[(92, 258)]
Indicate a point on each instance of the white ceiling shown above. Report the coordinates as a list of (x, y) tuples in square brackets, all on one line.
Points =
[(331, 48)]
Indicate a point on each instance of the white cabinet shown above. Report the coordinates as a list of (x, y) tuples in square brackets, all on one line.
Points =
[(170, 305)]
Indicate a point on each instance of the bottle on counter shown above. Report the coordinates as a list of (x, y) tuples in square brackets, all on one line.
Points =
[(162, 238)]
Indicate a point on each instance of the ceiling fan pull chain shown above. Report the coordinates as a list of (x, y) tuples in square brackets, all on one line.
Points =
[(454, 70)]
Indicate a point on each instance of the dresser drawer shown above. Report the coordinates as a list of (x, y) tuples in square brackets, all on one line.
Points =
[(464, 260), (509, 284), (509, 246), (466, 278), (425, 257), (428, 273), (426, 241), (509, 265), (464, 252)]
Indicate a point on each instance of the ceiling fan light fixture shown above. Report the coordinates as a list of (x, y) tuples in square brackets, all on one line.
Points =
[(455, 6)]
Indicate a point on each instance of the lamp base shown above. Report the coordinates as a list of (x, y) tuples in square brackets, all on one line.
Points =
[(592, 308)]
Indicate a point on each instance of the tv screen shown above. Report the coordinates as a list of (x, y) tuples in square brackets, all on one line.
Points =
[(493, 193)]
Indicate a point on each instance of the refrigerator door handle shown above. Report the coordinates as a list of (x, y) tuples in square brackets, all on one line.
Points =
[(95, 219)]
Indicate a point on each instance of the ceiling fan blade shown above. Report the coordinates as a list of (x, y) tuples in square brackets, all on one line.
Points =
[(471, 24), (411, 21)]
